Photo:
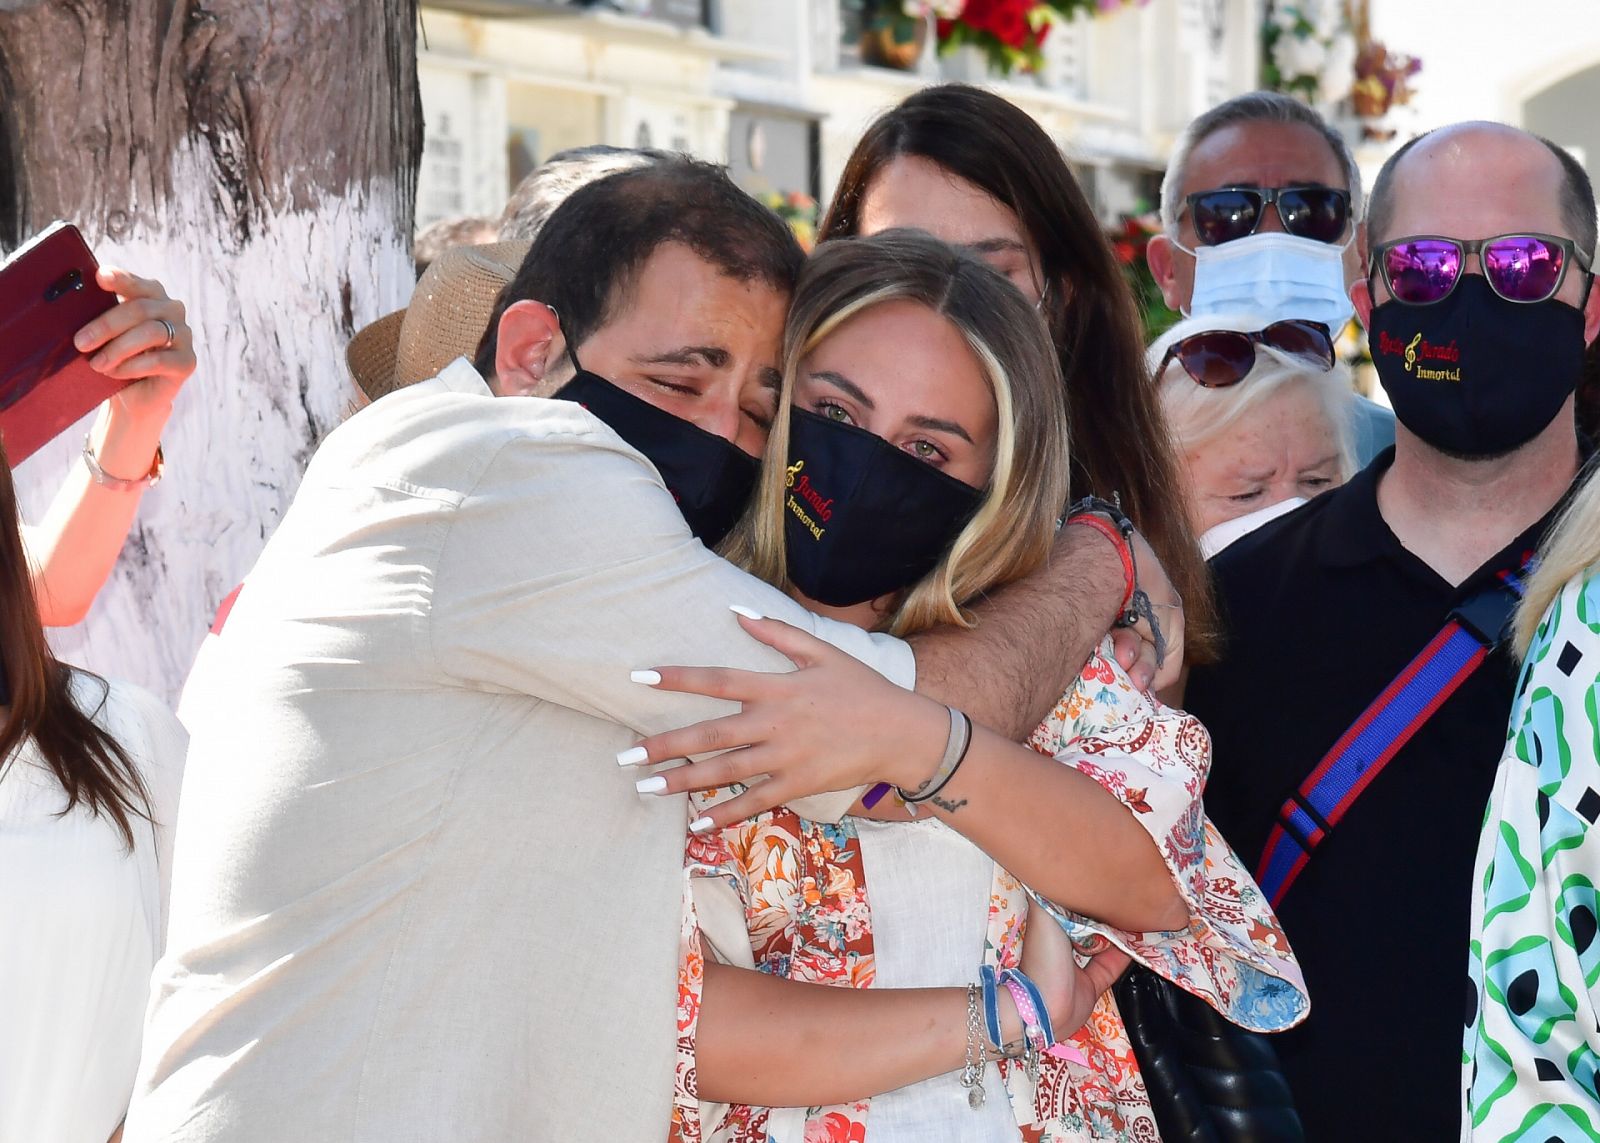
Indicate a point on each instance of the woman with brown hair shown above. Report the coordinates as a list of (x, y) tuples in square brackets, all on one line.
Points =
[(972, 169), (89, 776)]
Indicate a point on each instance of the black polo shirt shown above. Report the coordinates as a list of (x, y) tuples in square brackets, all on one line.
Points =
[(1323, 608)]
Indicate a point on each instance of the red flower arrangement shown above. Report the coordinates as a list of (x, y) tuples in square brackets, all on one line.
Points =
[(1005, 20), (1012, 32)]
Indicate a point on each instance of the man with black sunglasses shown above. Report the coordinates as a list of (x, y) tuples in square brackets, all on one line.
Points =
[(1360, 711), (1260, 212)]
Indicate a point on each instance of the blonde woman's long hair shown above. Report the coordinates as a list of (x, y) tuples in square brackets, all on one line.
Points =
[(1011, 533), (1570, 549)]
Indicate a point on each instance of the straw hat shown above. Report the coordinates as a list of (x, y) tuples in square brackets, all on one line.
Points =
[(449, 311)]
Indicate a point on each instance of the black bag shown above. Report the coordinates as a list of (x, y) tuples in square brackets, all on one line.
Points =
[(1209, 1080)]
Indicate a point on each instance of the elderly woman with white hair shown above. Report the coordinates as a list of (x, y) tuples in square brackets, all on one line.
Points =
[(1261, 413)]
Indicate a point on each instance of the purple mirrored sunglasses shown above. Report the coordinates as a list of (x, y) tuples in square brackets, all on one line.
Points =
[(1525, 268)]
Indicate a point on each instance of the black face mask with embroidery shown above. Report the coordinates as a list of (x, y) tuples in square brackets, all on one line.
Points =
[(711, 478), (1475, 375), (863, 518)]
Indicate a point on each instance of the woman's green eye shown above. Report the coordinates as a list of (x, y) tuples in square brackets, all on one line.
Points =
[(835, 413), (924, 450)]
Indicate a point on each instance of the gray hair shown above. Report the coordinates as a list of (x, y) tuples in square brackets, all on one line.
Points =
[(1200, 416), (1252, 107), (1197, 416), (437, 237), (548, 186)]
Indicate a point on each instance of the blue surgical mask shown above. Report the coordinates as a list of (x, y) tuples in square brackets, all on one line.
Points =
[(1279, 275)]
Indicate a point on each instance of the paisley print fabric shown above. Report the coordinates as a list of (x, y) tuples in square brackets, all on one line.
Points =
[(806, 906)]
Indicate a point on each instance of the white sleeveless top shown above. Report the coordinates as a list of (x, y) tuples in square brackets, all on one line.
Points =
[(928, 888), (81, 924)]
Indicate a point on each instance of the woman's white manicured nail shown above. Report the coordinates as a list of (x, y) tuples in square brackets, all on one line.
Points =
[(648, 678), (651, 785), (700, 825), (740, 609), (632, 756)]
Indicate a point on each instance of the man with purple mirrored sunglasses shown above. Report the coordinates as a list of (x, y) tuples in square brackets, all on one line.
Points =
[(1359, 716), (1260, 213)]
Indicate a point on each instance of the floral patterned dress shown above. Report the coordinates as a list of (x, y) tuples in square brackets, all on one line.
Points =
[(789, 896)]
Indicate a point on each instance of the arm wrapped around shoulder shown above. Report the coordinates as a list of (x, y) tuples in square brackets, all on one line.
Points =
[(1155, 760)]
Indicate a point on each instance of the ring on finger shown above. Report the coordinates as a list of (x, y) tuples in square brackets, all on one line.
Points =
[(172, 332)]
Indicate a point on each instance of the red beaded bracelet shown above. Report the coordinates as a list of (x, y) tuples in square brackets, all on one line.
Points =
[(1124, 549)]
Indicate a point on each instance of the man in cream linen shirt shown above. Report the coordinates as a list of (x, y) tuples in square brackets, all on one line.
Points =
[(414, 896)]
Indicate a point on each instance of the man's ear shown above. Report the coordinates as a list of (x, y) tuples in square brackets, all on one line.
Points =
[(1158, 255), (1355, 255), (530, 344), (1361, 298), (1591, 314)]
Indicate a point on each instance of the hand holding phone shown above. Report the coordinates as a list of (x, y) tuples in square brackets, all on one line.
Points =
[(48, 292), (145, 340)]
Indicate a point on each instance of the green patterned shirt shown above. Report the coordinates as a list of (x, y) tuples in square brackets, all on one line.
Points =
[(1532, 1046)]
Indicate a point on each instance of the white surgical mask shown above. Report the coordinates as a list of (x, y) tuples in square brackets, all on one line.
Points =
[(1213, 540), (1271, 273)]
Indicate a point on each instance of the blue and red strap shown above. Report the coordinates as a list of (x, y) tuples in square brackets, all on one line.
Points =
[(1392, 719)]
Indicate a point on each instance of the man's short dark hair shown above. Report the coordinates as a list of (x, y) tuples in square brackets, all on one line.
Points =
[(585, 258), (1577, 197)]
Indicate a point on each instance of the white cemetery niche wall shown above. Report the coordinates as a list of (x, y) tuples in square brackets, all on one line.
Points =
[(463, 143)]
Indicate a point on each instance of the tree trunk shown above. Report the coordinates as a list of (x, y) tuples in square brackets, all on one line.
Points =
[(260, 158)]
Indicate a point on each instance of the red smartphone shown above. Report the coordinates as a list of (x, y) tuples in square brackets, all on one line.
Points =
[(47, 294)]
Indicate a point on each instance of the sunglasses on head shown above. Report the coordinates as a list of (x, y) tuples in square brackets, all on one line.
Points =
[(1227, 213), (1218, 358), (1523, 268)]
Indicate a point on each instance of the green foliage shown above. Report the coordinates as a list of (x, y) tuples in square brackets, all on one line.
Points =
[(1273, 30)]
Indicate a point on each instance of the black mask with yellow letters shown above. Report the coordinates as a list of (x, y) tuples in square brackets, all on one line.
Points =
[(863, 518), (1474, 375)]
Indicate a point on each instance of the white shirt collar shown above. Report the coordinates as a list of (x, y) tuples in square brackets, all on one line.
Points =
[(460, 377)]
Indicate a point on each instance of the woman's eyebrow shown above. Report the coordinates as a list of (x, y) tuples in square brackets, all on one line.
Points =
[(997, 245), (939, 424), (844, 384), (851, 389)]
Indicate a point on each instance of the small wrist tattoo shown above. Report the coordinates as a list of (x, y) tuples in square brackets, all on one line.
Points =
[(946, 805)]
